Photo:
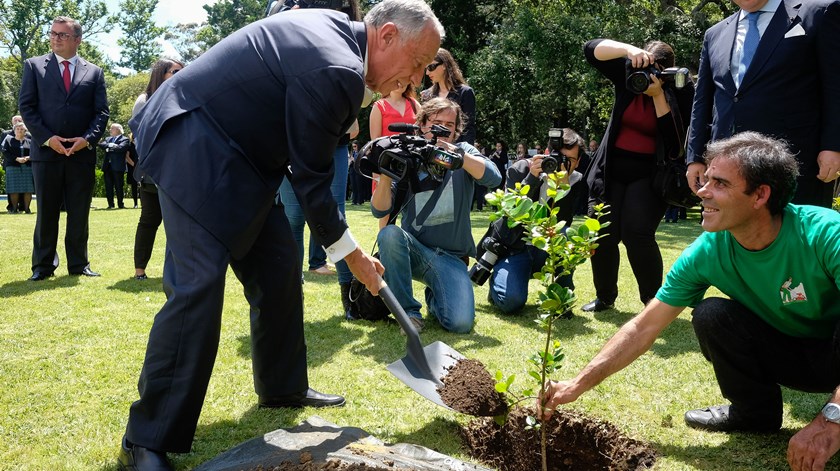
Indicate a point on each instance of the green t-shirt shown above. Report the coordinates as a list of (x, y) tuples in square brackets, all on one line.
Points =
[(793, 284)]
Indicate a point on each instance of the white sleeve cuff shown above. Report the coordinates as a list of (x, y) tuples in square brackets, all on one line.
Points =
[(342, 247)]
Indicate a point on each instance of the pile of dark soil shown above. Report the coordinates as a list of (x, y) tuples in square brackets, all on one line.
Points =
[(468, 388), (306, 464), (575, 442)]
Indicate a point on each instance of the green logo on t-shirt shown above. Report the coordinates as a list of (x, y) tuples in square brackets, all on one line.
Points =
[(791, 294)]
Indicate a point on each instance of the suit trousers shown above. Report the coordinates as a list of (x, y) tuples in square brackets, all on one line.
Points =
[(114, 184), (147, 226), (60, 181), (751, 359), (185, 334)]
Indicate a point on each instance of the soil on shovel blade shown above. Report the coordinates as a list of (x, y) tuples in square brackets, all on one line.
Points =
[(575, 442), (468, 388)]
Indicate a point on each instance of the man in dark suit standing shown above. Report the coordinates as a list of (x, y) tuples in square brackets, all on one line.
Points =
[(280, 91), (771, 67), (63, 103), (114, 165)]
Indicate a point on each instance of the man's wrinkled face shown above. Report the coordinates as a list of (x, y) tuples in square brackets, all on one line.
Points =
[(394, 64), (726, 206)]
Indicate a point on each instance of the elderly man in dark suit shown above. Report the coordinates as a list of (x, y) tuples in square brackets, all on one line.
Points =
[(114, 165), (63, 103), (278, 92), (771, 68)]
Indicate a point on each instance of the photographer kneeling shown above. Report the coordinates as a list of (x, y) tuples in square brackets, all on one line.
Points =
[(509, 280), (435, 239)]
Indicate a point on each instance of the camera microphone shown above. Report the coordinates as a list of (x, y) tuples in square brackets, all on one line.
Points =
[(403, 127)]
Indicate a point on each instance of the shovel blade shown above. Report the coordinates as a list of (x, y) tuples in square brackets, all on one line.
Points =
[(440, 356)]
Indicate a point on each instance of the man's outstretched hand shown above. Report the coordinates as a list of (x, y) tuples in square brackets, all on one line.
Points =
[(366, 269)]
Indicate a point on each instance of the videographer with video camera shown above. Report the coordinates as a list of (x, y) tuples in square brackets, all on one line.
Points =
[(435, 239), (518, 260), (649, 121)]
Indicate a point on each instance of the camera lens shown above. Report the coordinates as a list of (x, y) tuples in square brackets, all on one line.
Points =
[(549, 164), (638, 82)]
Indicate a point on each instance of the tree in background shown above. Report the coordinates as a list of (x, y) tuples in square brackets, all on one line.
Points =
[(121, 96), (183, 38), (226, 16), (139, 40)]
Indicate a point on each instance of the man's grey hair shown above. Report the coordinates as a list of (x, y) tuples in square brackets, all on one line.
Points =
[(118, 126), (77, 27), (761, 160), (410, 17)]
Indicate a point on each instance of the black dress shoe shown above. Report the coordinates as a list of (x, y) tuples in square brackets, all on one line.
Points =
[(38, 276), (309, 398), (596, 306), (720, 419), (86, 272), (136, 458)]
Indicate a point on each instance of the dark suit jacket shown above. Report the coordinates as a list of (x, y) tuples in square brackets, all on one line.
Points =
[(789, 91), (48, 110), (264, 97), (115, 150)]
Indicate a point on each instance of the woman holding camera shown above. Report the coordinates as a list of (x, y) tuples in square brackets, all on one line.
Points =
[(643, 127)]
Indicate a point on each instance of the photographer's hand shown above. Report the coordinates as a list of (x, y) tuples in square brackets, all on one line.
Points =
[(536, 165), (366, 269)]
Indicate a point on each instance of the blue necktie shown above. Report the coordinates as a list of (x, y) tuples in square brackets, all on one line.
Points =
[(750, 45)]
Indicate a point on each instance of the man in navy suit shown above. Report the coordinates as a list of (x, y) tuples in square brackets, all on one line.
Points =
[(114, 166), (63, 103), (279, 92), (789, 89)]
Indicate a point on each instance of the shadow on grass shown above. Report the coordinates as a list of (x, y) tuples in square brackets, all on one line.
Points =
[(130, 285), (563, 328), (444, 432), (740, 451), (676, 339), (24, 287)]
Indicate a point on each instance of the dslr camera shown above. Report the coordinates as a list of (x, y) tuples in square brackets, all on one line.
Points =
[(498, 242), (404, 154), (552, 162), (638, 80)]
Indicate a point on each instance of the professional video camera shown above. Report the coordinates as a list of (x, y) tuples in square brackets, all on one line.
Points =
[(552, 162), (277, 6), (403, 155), (638, 80)]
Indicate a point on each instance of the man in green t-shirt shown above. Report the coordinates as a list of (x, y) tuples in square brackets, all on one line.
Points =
[(779, 265)]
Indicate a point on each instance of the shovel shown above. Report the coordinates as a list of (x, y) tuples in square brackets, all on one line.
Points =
[(422, 368)]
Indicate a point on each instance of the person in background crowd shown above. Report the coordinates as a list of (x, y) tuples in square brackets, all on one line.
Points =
[(131, 162), (150, 215), (15, 119), (521, 151), (643, 128), (357, 182), (114, 165), (448, 82), (64, 104), (19, 183)]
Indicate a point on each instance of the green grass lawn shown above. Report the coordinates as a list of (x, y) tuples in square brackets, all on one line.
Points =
[(71, 349)]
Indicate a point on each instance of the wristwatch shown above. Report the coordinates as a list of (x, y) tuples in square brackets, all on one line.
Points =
[(831, 412)]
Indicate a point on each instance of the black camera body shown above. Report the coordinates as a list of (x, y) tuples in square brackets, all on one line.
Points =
[(552, 162), (498, 243), (638, 80), (403, 155)]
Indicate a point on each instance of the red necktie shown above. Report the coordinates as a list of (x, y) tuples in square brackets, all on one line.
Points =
[(66, 75)]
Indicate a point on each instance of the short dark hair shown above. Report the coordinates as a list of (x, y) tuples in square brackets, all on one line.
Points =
[(663, 53), (77, 27), (761, 160)]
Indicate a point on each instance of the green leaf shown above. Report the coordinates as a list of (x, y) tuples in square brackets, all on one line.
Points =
[(593, 224)]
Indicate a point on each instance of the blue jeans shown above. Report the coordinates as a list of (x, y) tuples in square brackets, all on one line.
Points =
[(338, 187), (449, 291), (509, 281)]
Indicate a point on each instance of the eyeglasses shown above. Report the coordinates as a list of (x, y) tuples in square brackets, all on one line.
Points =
[(431, 67), (61, 36)]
